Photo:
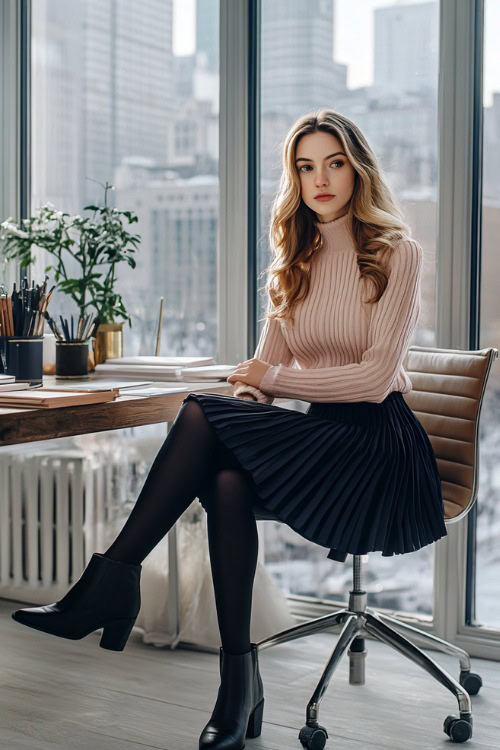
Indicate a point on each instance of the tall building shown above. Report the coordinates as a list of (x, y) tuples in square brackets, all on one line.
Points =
[(183, 75), (406, 47), (297, 57), (178, 220), (57, 128), (129, 84)]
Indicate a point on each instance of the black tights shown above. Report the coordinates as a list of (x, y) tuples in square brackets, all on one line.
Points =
[(192, 462)]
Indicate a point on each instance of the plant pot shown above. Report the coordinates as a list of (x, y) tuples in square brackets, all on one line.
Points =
[(108, 343)]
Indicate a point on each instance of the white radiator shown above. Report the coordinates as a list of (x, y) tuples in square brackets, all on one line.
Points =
[(57, 507)]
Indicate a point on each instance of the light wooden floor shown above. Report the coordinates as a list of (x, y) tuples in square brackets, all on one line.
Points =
[(73, 695)]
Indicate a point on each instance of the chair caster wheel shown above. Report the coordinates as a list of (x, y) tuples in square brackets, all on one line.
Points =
[(457, 729), (471, 681), (313, 738)]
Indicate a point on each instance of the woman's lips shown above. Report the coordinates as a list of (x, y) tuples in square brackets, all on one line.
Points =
[(324, 198)]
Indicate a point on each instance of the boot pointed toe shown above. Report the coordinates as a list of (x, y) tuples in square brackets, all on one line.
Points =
[(106, 595), (31, 614)]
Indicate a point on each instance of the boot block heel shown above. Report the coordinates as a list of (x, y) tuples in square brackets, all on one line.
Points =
[(255, 720), (116, 633)]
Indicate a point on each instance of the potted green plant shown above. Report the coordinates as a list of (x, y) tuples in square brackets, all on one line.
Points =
[(97, 243)]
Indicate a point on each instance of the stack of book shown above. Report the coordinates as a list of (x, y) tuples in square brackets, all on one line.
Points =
[(179, 369), (8, 383), (47, 398)]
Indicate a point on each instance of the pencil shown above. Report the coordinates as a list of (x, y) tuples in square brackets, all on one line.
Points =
[(10, 316)]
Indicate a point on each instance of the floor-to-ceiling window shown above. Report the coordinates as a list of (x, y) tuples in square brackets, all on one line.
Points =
[(375, 61), (127, 93)]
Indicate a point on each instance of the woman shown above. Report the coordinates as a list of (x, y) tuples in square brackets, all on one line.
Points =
[(356, 473)]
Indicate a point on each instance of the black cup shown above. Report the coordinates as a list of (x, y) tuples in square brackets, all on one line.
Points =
[(72, 359), (22, 356)]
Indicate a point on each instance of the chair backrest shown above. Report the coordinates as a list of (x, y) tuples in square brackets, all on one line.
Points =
[(448, 387)]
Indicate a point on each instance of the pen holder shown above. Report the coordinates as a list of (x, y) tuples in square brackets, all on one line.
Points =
[(22, 356), (72, 359)]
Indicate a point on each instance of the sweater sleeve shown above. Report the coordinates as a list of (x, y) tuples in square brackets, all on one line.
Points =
[(241, 389), (393, 321), (272, 348)]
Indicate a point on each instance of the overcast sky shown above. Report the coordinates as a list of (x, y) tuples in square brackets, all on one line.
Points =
[(354, 41)]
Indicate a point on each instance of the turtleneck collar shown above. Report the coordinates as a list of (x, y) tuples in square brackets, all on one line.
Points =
[(337, 229)]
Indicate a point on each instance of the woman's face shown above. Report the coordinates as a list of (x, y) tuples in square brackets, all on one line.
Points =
[(323, 167)]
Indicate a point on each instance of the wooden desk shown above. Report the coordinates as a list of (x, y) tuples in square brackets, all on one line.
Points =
[(26, 425)]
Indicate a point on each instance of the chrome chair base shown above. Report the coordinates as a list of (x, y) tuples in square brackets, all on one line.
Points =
[(357, 621)]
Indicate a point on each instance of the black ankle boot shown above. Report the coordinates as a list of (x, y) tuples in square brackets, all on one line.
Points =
[(240, 703), (107, 595)]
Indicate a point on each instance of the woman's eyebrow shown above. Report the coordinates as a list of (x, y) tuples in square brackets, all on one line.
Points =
[(303, 158)]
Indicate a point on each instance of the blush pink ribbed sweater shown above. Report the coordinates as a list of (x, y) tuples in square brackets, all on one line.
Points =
[(346, 349)]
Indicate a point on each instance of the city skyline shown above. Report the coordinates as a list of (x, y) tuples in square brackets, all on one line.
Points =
[(354, 43)]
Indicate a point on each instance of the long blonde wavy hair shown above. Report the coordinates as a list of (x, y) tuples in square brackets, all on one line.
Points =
[(374, 218)]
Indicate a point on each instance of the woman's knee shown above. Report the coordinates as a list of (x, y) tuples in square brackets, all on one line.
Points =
[(192, 409)]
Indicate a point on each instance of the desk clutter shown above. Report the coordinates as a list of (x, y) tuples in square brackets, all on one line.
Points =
[(22, 318), (124, 376)]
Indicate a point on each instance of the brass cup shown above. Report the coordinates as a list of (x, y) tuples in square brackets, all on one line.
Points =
[(108, 342)]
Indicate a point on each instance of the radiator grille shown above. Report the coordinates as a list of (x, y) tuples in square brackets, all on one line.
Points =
[(57, 508)]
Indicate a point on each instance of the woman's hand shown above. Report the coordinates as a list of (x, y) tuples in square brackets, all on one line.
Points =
[(251, 371)]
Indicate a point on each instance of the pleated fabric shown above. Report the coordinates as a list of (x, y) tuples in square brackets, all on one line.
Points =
[(353, 477)]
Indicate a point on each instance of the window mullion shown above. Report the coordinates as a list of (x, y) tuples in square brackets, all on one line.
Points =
[(458, 102), (232, 266)]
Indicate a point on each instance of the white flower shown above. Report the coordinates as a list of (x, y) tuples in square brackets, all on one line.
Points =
[(12, 229)]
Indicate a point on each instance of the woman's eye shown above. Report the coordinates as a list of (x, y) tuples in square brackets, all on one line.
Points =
[(308, 165)]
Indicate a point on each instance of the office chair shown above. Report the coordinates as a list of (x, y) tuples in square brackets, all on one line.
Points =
[(447, 395)]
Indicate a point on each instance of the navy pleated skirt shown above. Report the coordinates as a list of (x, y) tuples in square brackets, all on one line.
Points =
[(353, 477)]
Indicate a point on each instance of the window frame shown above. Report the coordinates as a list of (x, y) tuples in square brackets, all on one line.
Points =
[(458, 276)]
